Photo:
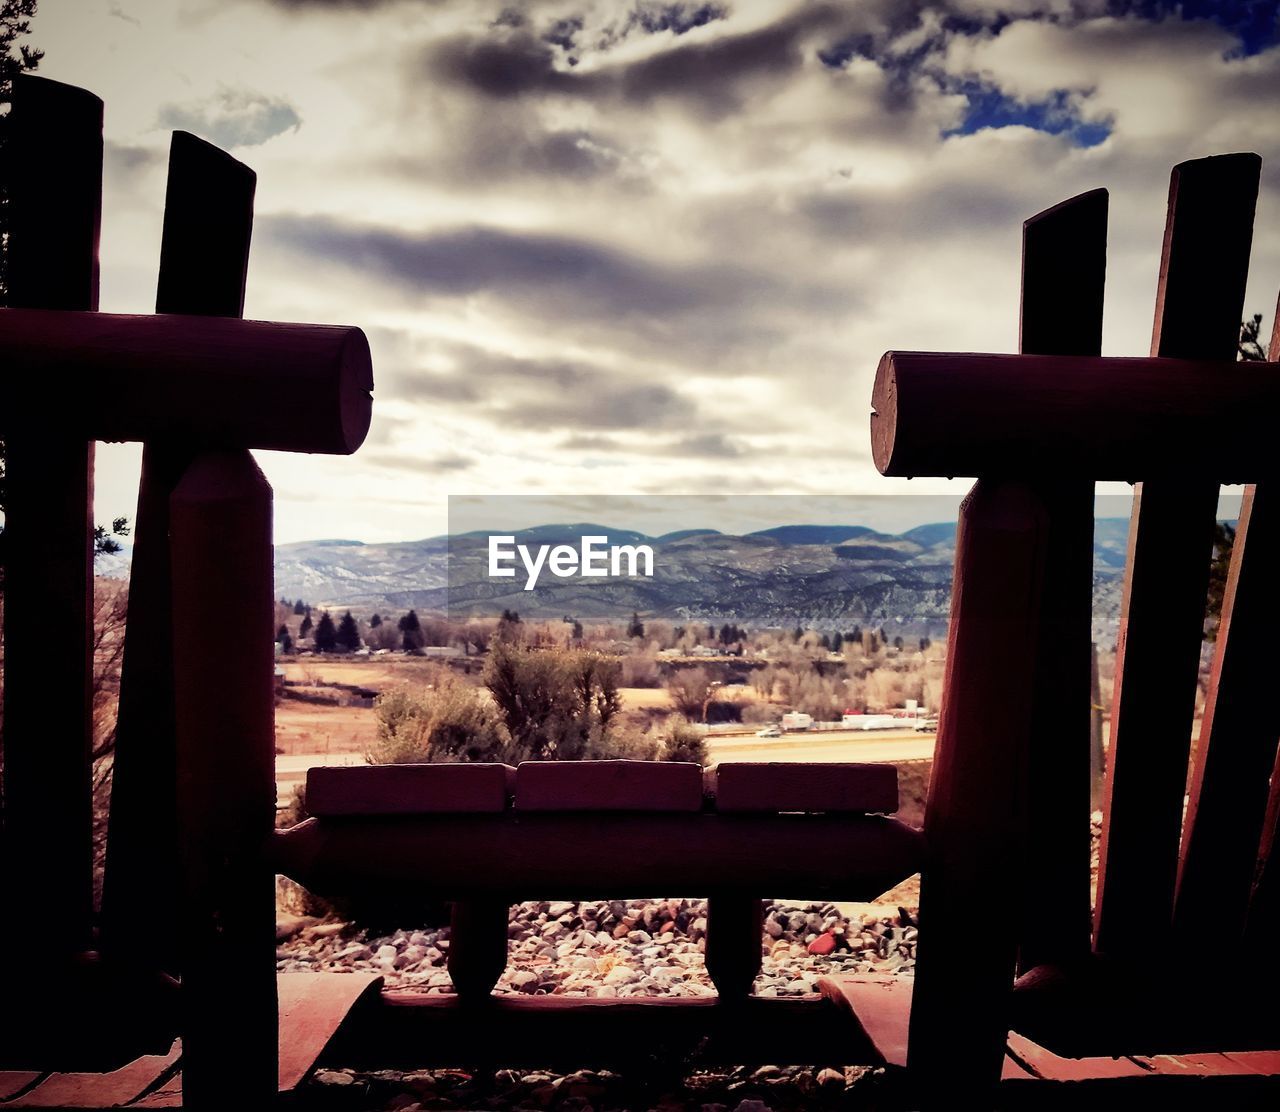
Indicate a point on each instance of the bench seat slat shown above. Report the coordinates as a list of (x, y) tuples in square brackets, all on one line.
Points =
[(409, 789), (830, 787)]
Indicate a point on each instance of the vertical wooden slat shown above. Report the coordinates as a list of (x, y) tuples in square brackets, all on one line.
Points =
[(208, 221), (735, 937), (1203, 269), (220, 538), (975, 819), (1064, 260), (1237, 749), (54, 168)]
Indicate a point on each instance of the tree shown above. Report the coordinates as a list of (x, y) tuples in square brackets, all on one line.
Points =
[(555, 705), (1224, 536), (305, 627), (375, 621), (411, 631), (326, 639), (1250, 350), (636, 628), (104, 543), (837, 641), (284, 640), (299, 607), (348, 635), (1249, 346), (691, 691)]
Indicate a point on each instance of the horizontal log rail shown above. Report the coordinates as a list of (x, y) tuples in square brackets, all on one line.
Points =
[(1067, 416), (851, 857), (199, 381)]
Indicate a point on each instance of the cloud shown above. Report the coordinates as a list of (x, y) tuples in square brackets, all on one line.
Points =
[(507, 61), (579, 276), (233, 118)]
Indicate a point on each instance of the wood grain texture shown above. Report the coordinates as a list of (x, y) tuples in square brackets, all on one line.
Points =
[(1062, 416)]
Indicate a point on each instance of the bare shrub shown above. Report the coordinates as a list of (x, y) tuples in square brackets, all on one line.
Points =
[(684, 742)]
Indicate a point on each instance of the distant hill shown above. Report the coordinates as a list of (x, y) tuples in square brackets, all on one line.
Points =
[(827, 577)]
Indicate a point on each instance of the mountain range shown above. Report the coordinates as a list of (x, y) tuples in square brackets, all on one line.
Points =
[(825, 577)]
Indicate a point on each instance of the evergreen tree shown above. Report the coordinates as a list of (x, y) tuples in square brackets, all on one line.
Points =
[(305, 627), (299, 607), (837, 641), (326, 638), (348, 635), (636, 628), (411, 630), (284, 640), (375, 621)]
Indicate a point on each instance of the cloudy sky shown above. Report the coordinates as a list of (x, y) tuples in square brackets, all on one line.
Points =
[(628, 246)]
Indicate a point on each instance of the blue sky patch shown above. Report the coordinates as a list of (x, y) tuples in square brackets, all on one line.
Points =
[(1256, 23), (1057, 114)]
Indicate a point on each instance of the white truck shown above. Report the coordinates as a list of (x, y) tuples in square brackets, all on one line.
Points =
[(794, 720)]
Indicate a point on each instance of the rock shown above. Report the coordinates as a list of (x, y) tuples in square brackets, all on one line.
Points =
[(334, 1077), (524, 980), (823, 944), (556, 910), (289, 925), (830, 1079), (773, 928), (321, 930), (752, 1106), (621, 975)]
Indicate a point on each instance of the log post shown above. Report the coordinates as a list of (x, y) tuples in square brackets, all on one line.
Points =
[(204, 254), (221, 559), (976, 816), (1225, 841), (478, 945), (735, 933), (1203, 269), (1064, 257), (54, 166)]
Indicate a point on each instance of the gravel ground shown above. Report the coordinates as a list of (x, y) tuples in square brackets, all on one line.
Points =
[(616, 948)]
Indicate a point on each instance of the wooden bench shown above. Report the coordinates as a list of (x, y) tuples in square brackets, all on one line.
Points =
[(488, 836), (1175, 980)]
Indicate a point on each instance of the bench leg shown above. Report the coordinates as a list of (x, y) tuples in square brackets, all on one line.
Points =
[(478, 946), (735, 927)]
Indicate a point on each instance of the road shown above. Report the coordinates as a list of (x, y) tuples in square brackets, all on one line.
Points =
[(826, 745), (834, 745)]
